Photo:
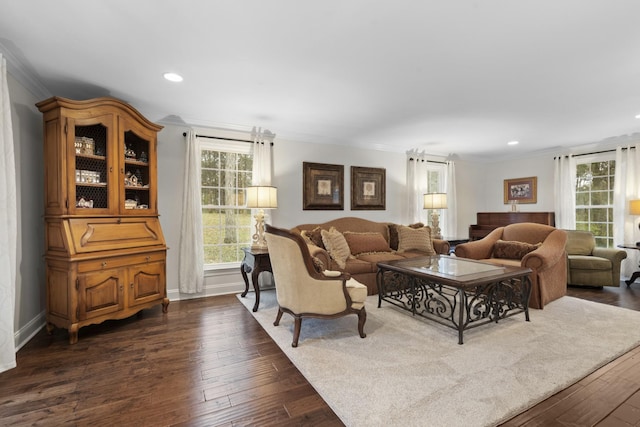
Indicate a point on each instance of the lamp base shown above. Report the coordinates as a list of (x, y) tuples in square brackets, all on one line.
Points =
[(259, 243), (435, 225)]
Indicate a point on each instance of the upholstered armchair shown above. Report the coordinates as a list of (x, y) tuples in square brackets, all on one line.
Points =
[(589, 265), (536, 246), (305, 289)]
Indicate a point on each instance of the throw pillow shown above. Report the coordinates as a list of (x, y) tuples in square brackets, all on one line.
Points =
[(418, 239), (336, 245), (512, 249), (314, 235), (362, 243), (393, 236)]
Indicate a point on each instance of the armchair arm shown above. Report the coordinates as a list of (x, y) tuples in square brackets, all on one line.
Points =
[(614, 255), (479, 249), (549, 253), (441, 246), (321, 254)]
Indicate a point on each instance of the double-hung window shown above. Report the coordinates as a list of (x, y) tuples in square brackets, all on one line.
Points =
[(226, 172), (594, 197)]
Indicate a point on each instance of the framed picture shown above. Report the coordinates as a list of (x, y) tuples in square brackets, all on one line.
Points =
[(368, 188), (323, 187), (521, 190)]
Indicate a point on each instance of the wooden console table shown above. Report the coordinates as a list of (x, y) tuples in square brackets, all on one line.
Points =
[(254, 262)]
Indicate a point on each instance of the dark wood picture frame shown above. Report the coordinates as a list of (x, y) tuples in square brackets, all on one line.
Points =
[(521, 190), (323, 186), (368, 188)]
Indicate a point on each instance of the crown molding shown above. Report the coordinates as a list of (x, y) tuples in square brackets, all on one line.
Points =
[(22, 73)]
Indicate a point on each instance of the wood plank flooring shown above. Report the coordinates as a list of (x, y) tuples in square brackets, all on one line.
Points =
[(209, 363)]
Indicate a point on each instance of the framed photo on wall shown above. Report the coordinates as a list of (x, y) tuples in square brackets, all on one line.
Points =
[(368, 188), (521, 190), (323, 186)]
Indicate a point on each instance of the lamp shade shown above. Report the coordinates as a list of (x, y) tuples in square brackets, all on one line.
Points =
[(634, 207), (435, 201), (262, 197)]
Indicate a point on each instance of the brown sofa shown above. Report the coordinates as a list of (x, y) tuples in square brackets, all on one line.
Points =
[(536, 246), (362, 262)]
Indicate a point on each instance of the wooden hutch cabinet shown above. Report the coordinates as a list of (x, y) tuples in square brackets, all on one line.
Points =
[(105, 251)]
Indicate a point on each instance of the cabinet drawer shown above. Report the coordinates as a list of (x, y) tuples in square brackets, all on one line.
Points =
[(116, 262), (103, 234)]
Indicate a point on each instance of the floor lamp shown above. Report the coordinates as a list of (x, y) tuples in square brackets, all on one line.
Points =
[(435, 202), (261, 197)]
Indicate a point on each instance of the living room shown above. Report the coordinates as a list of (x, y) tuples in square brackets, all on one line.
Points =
[(479, 182)]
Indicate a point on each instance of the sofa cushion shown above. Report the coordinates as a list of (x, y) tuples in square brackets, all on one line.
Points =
[(314, 236), (336, 245), (361, 243), (512, 249), (359, 266), (374, 259), (587, 262), (415, 239), (580, 242)]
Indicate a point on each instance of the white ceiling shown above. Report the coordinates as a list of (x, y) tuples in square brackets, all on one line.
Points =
[(448, 77)]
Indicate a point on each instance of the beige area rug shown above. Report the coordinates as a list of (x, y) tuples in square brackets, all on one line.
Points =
[(412, 372)]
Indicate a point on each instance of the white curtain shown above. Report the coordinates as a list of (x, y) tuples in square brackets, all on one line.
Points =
[(262, 156), (450, 223), (565, 192), (418, 185), (191, 256), (626, 188), (8, 227)]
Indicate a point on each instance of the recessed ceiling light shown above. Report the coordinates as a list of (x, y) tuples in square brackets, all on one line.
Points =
[(513, 142), (637, 116), (173, 77)]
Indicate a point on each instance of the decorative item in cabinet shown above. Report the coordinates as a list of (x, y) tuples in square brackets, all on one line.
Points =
[(105, 250)]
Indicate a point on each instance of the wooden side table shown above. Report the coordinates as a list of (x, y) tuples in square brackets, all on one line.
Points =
[(254, 262), (635, 274)]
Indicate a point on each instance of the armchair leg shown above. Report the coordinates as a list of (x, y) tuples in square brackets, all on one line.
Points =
[(278, 317), (362, 317), (296, 331)]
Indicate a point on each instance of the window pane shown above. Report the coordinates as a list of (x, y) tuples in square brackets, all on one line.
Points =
[(227, 224), (594, 200)]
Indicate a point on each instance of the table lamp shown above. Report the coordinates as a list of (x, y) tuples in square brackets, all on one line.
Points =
[(634, 209), (261, 197), (435, 201)]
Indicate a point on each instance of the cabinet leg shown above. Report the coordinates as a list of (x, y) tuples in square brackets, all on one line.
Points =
[(254, 278), (165, 305), (73, 334), (50, 328)]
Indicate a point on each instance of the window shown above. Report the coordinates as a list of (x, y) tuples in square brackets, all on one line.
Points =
[(226, 172), (594, 198)]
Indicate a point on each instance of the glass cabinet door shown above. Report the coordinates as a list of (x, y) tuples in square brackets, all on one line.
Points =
[(137, 151), (90, 165)]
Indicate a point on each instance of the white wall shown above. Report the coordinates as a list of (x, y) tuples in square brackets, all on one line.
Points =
[(30, 281), (480, 187)]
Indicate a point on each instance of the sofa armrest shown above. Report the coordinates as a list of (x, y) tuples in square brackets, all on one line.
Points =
[(479, 249), (441, 247), (549, 253), (614, 255)]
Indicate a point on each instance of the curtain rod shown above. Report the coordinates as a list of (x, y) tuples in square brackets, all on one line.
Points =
[(428, 161), (595, 152), (223, 139)]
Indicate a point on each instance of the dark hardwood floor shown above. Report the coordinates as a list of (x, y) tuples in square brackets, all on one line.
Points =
[(209, 363)]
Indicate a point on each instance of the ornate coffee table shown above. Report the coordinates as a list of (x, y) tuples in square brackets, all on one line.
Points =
[(456, 292)]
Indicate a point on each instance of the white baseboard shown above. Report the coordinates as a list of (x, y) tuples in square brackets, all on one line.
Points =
[(28, 331)]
